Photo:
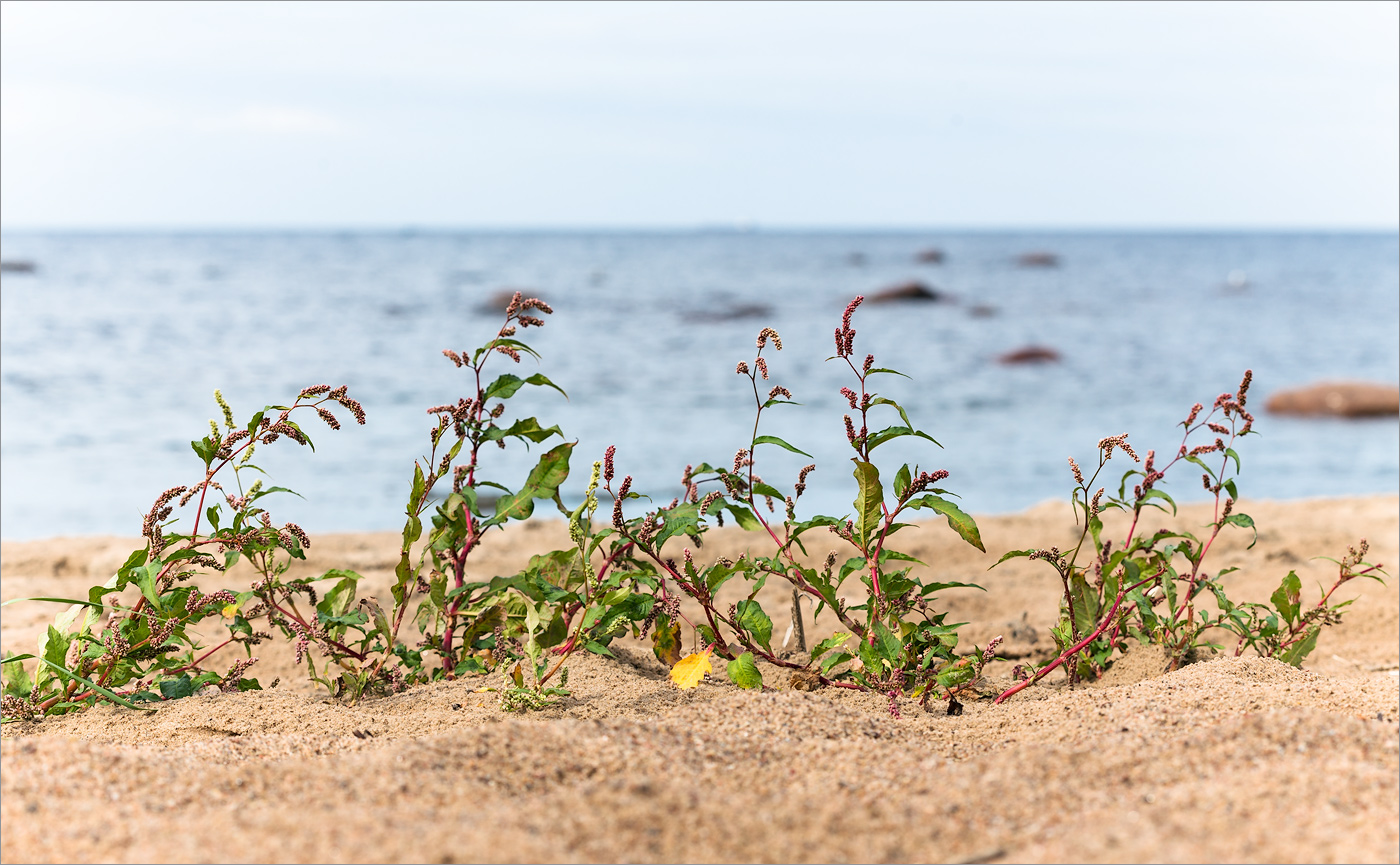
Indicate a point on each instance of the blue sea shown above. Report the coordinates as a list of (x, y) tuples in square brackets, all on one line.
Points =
[(110, 351)]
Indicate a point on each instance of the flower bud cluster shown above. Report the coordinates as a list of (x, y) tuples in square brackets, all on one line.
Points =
[(845, 336)]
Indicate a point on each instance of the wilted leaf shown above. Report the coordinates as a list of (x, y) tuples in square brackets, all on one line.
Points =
[(688, 672), (666, 642)]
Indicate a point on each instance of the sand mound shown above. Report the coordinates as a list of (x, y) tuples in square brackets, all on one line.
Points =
[(1239, 759)]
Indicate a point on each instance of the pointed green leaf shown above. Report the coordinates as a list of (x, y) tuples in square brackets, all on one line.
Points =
[(869, 501), (756, 622), (774, 440), (828, 644), (960, 522), (744, 672)]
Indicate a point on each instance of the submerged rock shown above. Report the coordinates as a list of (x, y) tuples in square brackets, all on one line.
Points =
[(1030, 354), (733, 312), (1337, 399), (18, 266), (930, 256), (1038, 259), (908, 291)]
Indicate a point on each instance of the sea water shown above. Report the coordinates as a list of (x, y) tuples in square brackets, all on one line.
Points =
[(110, 351)]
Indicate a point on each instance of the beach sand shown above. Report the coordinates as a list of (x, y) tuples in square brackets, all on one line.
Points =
[(1224, 760)]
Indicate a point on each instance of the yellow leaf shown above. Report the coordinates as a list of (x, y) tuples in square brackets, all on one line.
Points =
[(688, 672), (230, 611)]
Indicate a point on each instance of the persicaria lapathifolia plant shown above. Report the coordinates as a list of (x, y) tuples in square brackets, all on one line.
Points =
[(901, 645), (462, 621), (144, 651), (1147, 586)]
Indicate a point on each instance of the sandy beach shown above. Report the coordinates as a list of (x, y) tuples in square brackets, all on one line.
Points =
[(1227, 759)]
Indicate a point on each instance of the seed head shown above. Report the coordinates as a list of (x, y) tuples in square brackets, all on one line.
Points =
[(228, 412), (765, 334)]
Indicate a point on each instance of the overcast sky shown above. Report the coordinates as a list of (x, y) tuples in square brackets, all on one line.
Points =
[(189, 115)]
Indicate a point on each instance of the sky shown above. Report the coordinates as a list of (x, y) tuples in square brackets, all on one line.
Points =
[(634, 115)]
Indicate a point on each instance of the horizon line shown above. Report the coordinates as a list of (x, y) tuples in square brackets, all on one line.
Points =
[(735, 227)]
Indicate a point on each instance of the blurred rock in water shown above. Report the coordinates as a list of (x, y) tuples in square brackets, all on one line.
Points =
[(1338, 399), (930, 256), (908, 291), (1030, 354), (1038, 259), (733, 312), (17, 266)]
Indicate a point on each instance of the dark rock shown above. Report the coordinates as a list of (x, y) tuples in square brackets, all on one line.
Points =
[(1337, 399), (930, 256), (17, 266), (907, 291), (983, 310), (1038, 259), (1030, 354), (734, 312)]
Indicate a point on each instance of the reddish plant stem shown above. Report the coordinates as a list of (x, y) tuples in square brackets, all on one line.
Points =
[(1073, 650)]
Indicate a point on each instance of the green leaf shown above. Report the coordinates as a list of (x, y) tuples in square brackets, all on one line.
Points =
[(828, 644), (469, 667), (1230, 453), (528, 428), (887, 645), (203, 450), (834, 660), (1299, 651), (869, 501), (762, 489), (774, 440), (175, 689), (889, 433), (95, 687), (1158, 494), (598, 648), (744, 672), (540, 381), (899, 408), (1086, 604), (55, 601), (756, 622), (17, 681), (744, 517), (504, 387), (1012, 554), (1245, 521), (1199, 462), (901, 481), (957, 673), (960, 522), (1287, 598), (415, 496), (542, 483)]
